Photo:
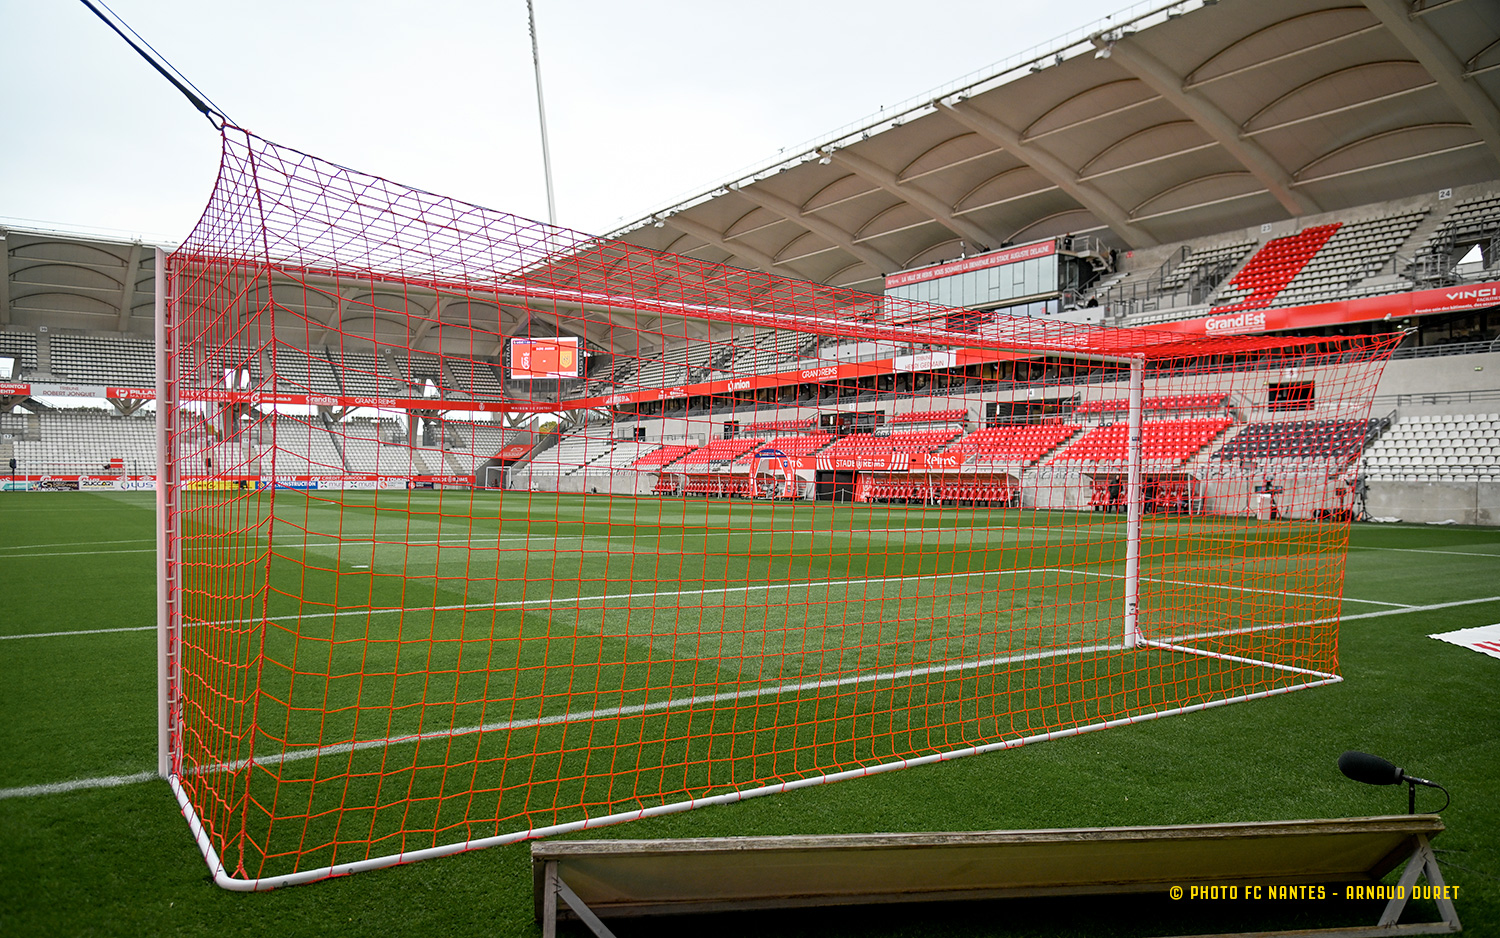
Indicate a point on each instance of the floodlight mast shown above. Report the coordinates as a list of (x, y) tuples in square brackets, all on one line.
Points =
[(541, 111)]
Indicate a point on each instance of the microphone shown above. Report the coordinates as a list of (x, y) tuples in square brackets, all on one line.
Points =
[(1373, 770)]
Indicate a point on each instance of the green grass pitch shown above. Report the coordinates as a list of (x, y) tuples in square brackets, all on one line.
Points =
[(119, 860)]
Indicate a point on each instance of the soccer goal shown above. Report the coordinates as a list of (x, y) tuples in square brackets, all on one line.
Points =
[(474, 529)]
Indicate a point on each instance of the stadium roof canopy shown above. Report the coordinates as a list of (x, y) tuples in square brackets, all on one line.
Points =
[(1181, 121), (1167, 123)]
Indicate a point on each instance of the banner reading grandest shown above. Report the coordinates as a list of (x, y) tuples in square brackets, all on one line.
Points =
[(1364, 309)]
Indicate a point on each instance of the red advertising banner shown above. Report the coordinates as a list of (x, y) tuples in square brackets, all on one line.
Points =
[(979, 262), (7, 387), (1365, 309)]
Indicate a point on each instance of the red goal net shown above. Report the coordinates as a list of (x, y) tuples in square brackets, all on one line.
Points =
[(478, 529)]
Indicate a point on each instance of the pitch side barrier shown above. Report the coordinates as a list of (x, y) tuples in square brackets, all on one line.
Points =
[(1255, 862)]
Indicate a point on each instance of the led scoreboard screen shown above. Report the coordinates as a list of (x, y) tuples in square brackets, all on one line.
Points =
[(532, 359)]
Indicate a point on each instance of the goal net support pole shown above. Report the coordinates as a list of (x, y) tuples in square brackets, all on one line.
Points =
[(1134, 492), (167, 569)]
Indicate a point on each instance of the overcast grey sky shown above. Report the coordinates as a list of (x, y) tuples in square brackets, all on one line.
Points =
[(647, 100)]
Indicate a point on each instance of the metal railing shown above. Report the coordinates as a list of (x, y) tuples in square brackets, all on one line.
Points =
[(1450, 348)]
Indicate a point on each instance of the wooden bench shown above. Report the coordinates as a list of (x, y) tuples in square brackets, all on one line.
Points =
[(610, 878)]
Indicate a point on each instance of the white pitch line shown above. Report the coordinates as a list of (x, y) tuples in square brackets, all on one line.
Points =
[(607, 712), (673, 703), (1397, 612), (79, 553), (1423, 550), (131, 628), (133, 540), (77, 784), (1252, 589), (332, 540), (116, 780), (1324, 621), (585, 601)]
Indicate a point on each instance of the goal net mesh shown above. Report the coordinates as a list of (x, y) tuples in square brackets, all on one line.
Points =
[(480, 529)]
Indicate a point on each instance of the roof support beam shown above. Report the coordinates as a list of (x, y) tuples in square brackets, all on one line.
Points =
[(1443, 66), (760, 259), (127, 286), (978, 238), (819, 226), (1054, 170), (1137, 61), (4, 282)]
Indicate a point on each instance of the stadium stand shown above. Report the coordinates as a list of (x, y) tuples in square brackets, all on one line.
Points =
[(472, 377), (1450, 447), (1209, 263), (363, 376), (84, 442), (1162, 441), (624, 455), (1358, 249), (955, 415), (659, 372), (1164, 402), (1471, 221), (867, 444), (720, 451), (15, 425), (225, 362), (1017, 442), (665, 456), (120, 362), (304, 372), (368, 448), (613, 377), (804, 444), (769, 352), (1272, 268), (303, 447), (482, 437), (417, 368), (571, 454), (22, 347), (1332, 441), (777, 426)]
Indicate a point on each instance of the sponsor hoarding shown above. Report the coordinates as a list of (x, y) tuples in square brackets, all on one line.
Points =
[(1365, 309)]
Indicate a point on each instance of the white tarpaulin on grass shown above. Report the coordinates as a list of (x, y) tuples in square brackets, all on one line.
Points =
[(1485, 638)]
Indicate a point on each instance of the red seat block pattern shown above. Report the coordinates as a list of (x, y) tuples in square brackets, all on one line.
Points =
[(1274, 266), (1021, 442), (1161, 441)]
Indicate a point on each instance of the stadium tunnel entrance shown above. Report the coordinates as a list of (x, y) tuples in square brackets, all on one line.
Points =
[(835, 486)]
